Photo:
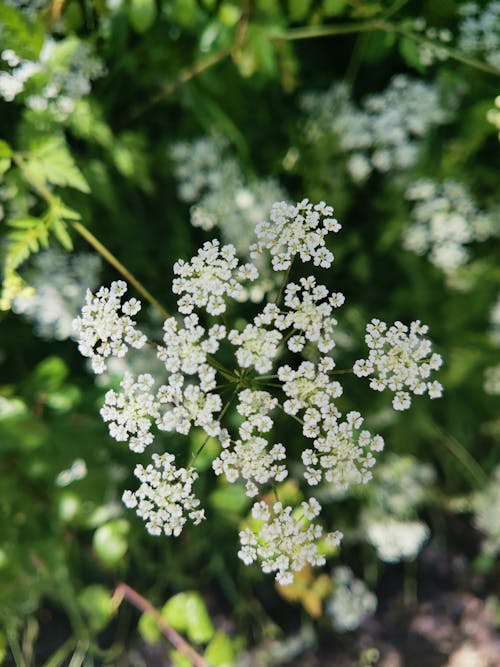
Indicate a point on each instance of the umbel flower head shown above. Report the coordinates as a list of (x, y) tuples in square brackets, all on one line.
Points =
[(268, 383)]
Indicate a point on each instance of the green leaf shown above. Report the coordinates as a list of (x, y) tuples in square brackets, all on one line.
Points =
[(5, 149), (97, 604), (333, 7), (148, 629), (410, 51), (298, 10), (61, 233), (26, 222), (49, 374), (221, 651), (5, 155), (179, 659), (3, 647), (51, 162), (110, 541), (186, 612), (142, 14), (19, 33), (230, 499)]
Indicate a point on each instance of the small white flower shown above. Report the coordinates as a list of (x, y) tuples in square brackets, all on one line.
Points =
[(209, 277), (296, 230), (165, 499), (284, 541), (396, 540), (343, 455), (102, 330), (400, 359), (130, 413), (351, 601)]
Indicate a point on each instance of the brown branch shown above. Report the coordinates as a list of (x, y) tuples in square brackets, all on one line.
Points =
[(122, 591)]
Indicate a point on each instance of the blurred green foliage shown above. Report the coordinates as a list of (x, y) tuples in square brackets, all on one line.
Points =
[(172, 70)]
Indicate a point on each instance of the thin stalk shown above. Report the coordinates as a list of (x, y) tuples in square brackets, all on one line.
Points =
[(283, 284), (221, 415), (450, 52), (52, 200), (312, 32), (61, 654), (340, 372), (111, 259), (15, 648), (123, 591), (463, 455)]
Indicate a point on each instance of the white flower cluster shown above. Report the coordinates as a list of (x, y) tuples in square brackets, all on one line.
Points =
[(105, 326), (396, 540), (384, 133), (250, 457), (400, 359), (310, 313), (400, 485), (59, 282), (12, 83), (340, 454), (192, 356), (344, 455), (256, 347), (435, 49), (296, 230), (285, 540), (212, 180), (205, 280), (492, 380), (165, 498), (351, 601), (479, 31), (444, 220), (485, 505), (129, 412), (65, 72), (76, 471)]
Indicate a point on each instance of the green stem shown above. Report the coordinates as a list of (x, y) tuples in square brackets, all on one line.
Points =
[(341, 372), (221, 415), (463, 455), (450, 52), (115, 263), (311, 32), (53, 200), (283, 284)]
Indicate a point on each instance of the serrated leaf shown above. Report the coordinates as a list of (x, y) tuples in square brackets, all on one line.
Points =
[(60, 231), (26, 222), (51, 162)]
